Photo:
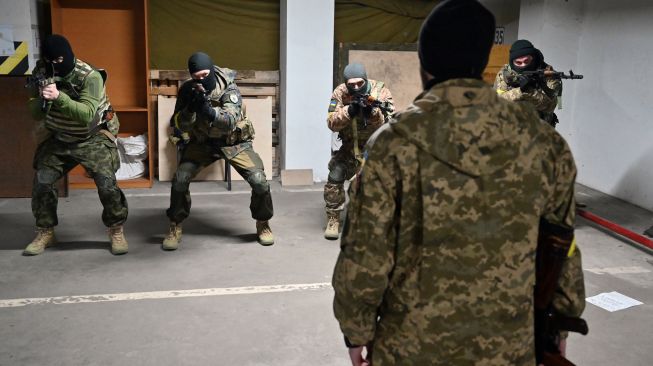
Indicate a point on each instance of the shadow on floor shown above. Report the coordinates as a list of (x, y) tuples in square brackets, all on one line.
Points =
[(152, 226)]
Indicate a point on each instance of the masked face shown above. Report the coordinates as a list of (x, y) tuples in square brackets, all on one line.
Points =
[(523, 63), (58, 53), (206, 78), (357, 86), (202, 70)]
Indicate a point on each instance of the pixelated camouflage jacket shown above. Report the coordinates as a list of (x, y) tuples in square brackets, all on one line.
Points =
[(231, 125), (545, 103), (437, 262), (340, 121)]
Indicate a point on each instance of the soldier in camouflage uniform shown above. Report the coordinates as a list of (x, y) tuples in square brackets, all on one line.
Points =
[(358, 108), (437, 262), (511, 84), (209, 123), (78, 127)]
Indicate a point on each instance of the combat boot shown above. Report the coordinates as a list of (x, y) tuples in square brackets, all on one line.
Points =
[(44, 238), (118, 242), (332, 227), (171, 241), (264, 233)]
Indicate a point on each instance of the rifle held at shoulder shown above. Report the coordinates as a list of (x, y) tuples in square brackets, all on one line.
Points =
[(552, 74)]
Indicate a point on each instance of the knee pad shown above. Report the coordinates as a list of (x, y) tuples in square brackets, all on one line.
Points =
[(181, 181), (104, 183), (337, 174), (258, 182), (45, 179)]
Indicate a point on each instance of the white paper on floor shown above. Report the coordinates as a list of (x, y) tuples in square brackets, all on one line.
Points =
[(613, 301)]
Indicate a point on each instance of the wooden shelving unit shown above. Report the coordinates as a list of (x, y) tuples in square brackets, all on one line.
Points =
[(112, 35)]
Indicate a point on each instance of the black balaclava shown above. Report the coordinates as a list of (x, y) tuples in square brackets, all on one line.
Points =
[(354, 71), (455, 41), (199, 61), (521, 48), (55, 46)]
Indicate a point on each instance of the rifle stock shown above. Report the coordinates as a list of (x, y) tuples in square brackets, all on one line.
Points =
[(553, 245)]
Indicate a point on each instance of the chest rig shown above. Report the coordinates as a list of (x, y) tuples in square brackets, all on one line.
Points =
[(69, 130)]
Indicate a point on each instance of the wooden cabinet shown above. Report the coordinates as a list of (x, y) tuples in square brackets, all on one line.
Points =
[(112, 35)]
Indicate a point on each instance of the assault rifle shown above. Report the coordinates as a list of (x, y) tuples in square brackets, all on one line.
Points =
[(552, 74), (40, 79), (368, 101), (553, 246)]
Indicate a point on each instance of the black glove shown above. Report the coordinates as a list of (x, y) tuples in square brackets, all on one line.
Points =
[(207, 111), (197, 101), (525, 82), (353, 109), (367, 111)]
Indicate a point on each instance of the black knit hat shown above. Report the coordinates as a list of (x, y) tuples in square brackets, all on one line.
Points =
[(55, 46), (354, 70), (456, 39), (522, 48), (199, 61)]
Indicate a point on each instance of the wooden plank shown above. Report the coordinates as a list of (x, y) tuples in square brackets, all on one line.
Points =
[(260, 77), (164, 90), (242, 76), (173, 75), (257, 90), (245, 74)]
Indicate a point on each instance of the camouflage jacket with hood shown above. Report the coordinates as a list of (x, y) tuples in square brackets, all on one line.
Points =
[(437, 262)]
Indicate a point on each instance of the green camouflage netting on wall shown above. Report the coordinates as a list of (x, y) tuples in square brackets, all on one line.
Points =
[(238, 34), (244, 34)]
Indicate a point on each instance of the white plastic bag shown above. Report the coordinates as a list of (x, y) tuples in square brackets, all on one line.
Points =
[(132, 151)]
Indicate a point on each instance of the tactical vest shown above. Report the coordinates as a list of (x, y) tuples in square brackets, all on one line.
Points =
[(244, 129), (69, 130), (356, 133)]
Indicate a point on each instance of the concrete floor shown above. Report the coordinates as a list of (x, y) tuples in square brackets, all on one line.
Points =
[(220, 251)]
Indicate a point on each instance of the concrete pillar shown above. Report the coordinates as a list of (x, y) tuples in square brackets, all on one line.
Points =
[(306, 84)]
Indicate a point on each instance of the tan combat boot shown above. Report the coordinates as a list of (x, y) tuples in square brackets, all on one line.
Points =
[(332, 227), (44, 238), (171, 241), (118, 242), (264, 233)]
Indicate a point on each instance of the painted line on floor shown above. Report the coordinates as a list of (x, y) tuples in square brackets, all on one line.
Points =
[(153, 295), (618, 270), (194, 194), (227, 193)]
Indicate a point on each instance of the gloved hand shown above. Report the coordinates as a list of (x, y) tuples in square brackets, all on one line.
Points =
[(353, 109), (207, 111), (525, 82), (367, 111), (197, 101)]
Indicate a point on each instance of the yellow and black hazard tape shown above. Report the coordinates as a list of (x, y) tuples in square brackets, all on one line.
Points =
[(16, 64)]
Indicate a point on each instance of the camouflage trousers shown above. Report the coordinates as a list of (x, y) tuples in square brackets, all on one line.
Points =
[(197, 156), (342, 166), (53, 159)]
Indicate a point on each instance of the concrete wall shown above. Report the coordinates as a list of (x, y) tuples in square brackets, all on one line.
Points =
[(606, 117), (306, 84), (506, 14)]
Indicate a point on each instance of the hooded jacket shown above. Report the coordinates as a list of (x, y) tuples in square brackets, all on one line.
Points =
[(437, 255)]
